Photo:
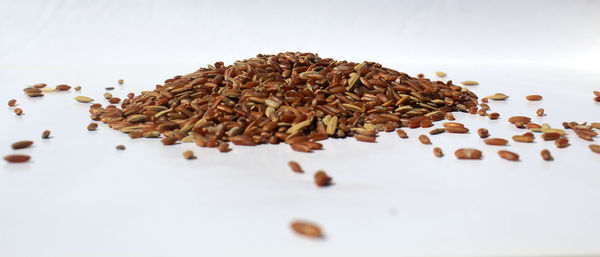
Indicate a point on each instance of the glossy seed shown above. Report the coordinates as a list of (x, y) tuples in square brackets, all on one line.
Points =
[(540, 112), (494, 115), (18, 111), (306, 229), (21, 144), (63, 87), (457, 130), (322, 179), (550, 136), (12, 102), (46, 134), (401, 133), (483, 133), (424, 140), (438, 152), (16, 158), (468, 154), (562, 142), (437, 131), (295, 167), (495, 141), (508, 155), (523, 138), (546, 155), (534, 97)]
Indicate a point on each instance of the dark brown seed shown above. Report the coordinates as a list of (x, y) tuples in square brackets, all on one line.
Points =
[(169, 140), (595, 148), (468, 153), (188, 154), (437, 131), (438, 152), (508, 155), (540, 112), (494, 115), (109, 88), (46, 134), (307, 229), (22, 144), (120, 147), (401, 133), (295, 167), (483, 133), (457, 130), (18, 111), (92, 126), (365, 138), (12, 102), (121, 81), (63, 87), (495, 141), (534, 97), (15, 158), (550, 136), (322, 179), (424, 140), (546, 155), (562, 142), (597, 98)]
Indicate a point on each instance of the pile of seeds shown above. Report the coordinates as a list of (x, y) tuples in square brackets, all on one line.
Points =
[(296, 98)]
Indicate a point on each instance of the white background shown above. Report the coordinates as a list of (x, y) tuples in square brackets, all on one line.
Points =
[(81, 197)]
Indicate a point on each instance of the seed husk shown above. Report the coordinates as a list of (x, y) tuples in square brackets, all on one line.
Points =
[(440, 74), (307, 229), (121, 81), (21, 144), (498, 97), (495, 141), (483, 133), (295, 167), (188, 154), (470, 83), (17, 158), (550, 136), (534, 97), (468, 154), (12, 102), (562, 142), (546, 155), (46, 134), (494, 115), (438, 152), (595, 148), (401, 133), (120, 147), (19, 111), (508, 155), (540, 112), (322, 179), (92, 126), (437, 131), (424, 140), (83, 99)]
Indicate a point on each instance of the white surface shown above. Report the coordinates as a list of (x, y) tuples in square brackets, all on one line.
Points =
[(81, 197)]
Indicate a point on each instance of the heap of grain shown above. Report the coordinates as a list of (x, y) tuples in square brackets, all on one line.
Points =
[(296, 98)]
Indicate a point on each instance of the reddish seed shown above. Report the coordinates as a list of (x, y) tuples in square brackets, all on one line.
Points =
[(424, 140), (365, 138), (494, 115), (468, 154), (495, 141), (12, 102), (534, 97), (63, 87), (546, 155), (562, 142), (18, 111), (307, 229), (322, 179), (295, 167), (438, 152), (483, 133), (21, 144), (46, 134), (16, 158), (508, 155), (401, 133)]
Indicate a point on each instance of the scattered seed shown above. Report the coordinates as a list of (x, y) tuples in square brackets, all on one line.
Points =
[(484, 106), (365, 138), (401, 133), (437, 131), (468, 153), (562, 142), (550, 136), (470, 83), (519, 119), (22, 144), (16, 158), (482, 112), (473, 110), (494, 115), (35, 94), (18, 111), (508, 155), (109, 88), (498, 97), (169, 140), (440, 74), (121, 81), (595, 148), (534, 97), (63, 87), (295, 167), (457, 130), (523, 138), (92, 126), (77, 88), (484, 100), (495, 141), (114, 100), (546, 155), (483, 133), (426, 123), (83, 99), (46, 134), (12, 102), (107, 95), (424, 140), (453, 125), (223, 147), (540, 112), (188, 154), (120, 147), (322, 179), (438, 152), (449, 116), (307, 229)]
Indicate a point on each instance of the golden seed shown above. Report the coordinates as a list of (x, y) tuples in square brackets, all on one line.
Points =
[(470, 83), (188, 154), (498, 97), (83, 99), (440, 74), (121, 81), (107, 95)]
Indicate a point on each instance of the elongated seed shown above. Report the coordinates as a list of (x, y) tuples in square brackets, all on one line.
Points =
[(468, 153), (169, 140), (595, 148), (438, 152), (109, 88), (497, 97), (295, 167), (401, 133), (508, 155), (523, 138), (306, 229), (424, 140), (534, 97), (470, 83), (365, 138), (495, 141), (562, 142), (12, 102), (83, 99), (519, 119), (46, 134), (493, 115), (77, 88), (550, 136), (16, 158), (546, 155), (322, 179), (22, 144), (437, 131), (440, 74), (63, 87), (120, 147), (457, 130)]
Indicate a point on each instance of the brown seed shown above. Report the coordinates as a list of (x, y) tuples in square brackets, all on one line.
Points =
[(114, 100), (483, 133), (136, 118), (92, 126), (77, 88), (484, 106), (495, 141), (457, 130), (473, 110), (494, 115), (300, 147), (365, 138), (223, 147), (508, 155), (498, 97), (307, 229), (482, 112), (437, 131), (534, 97), (39, 85), (136, 134), (18, 111), (16, 158), (322, 179), (121, 81), (169, 140), (453, 125), (484, 100), (188, 154), (109, 88), (532, 125), (546, 155), (595, 148), (401, 133), (468, 153), (470, 83), (523, 138), (424, 140), (426, 123), (449, 116), (120, 147), (63, 87), (562, 142), (438, 152), (46, 134), (107, 95), (550, 136), (12, 102), (295, 167), (22, 144), (83, 99), (519, 119), (35, 94), (540, 112), (597, 98)]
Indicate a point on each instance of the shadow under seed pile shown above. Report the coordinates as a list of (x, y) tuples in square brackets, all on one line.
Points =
[(296, 98)]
